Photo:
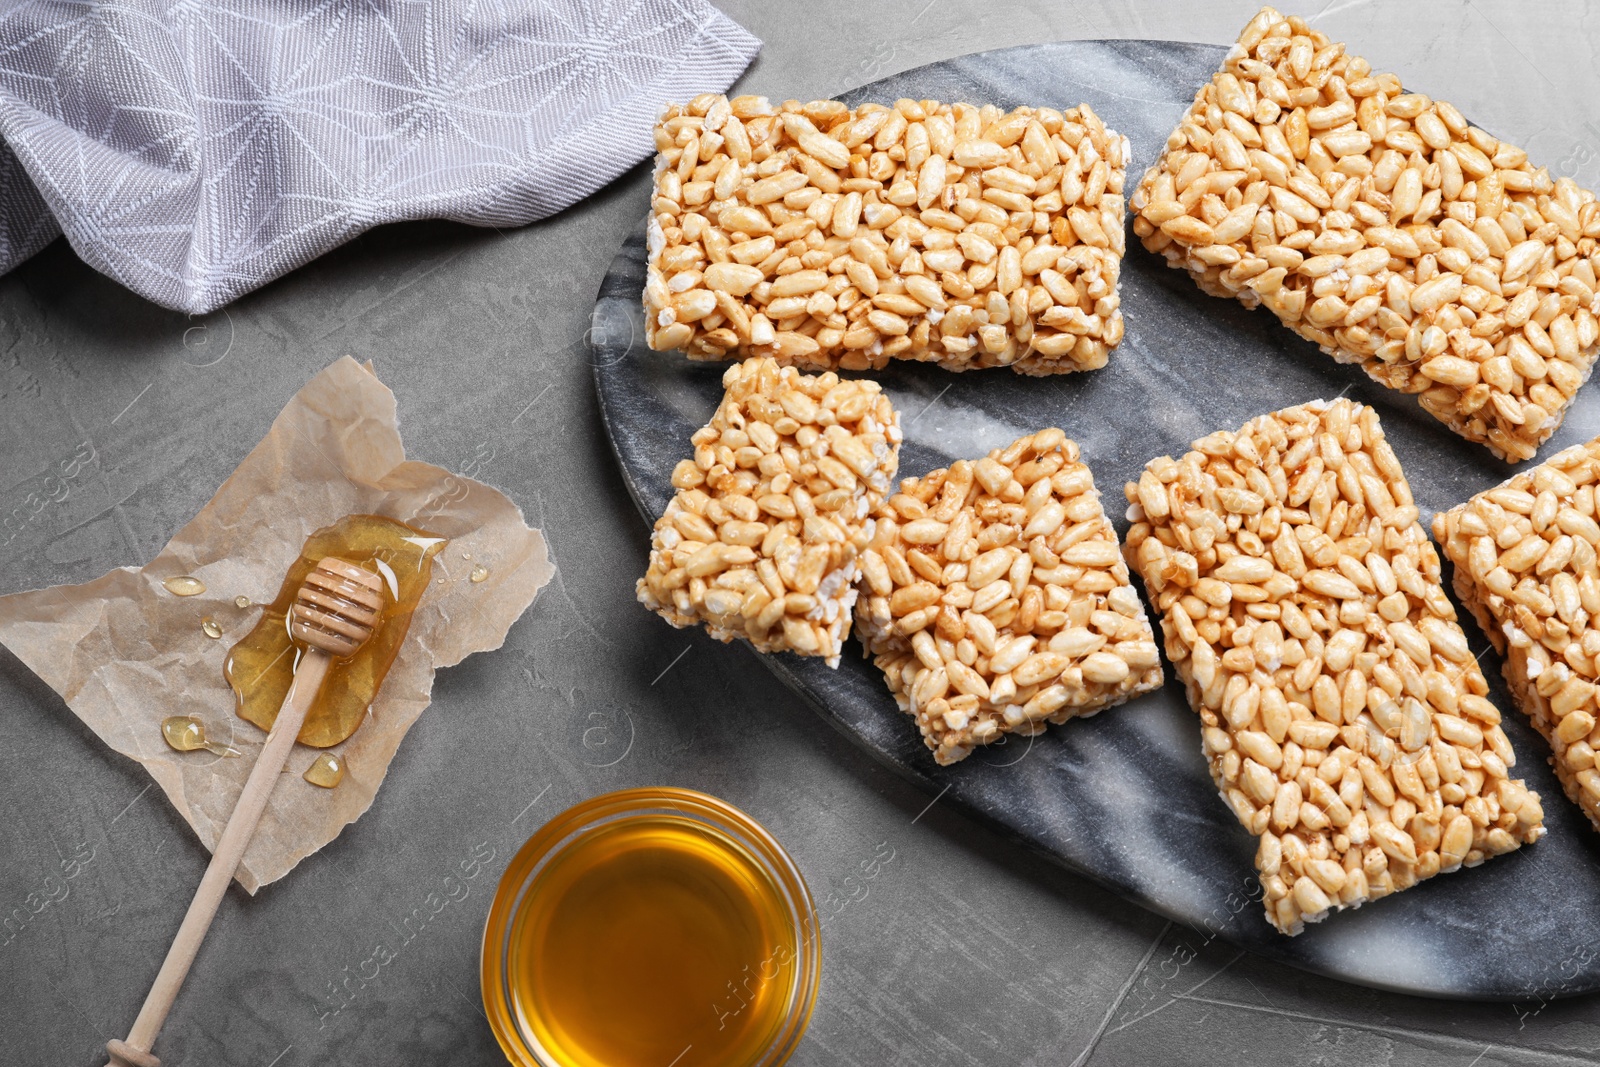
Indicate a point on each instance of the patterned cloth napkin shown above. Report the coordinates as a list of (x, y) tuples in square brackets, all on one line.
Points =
[(196, 149)]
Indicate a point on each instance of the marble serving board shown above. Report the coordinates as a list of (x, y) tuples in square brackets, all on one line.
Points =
[(1125, 798)]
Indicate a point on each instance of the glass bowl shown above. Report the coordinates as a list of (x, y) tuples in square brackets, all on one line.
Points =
[(614, 926)]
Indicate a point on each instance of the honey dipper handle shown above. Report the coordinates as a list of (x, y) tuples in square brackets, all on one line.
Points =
[(135, 1051)]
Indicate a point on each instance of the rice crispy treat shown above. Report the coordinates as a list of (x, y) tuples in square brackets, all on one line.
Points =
[(763, 537), (1525, 566), (828, 237), (1383, 227), (996, 599), (1343, 715)]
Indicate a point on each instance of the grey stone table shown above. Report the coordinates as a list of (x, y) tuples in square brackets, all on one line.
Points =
[(963, 949)]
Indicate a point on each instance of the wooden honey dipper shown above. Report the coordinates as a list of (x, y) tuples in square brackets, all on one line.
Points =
[(333, 615)]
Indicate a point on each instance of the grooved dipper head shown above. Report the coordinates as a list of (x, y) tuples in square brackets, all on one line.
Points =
[(336, 608)]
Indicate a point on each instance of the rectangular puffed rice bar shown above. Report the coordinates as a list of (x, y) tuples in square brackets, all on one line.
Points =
[(1383, 227), (1525, 566), (827, 237), (995, 599), (762, 539), (1343, 716)]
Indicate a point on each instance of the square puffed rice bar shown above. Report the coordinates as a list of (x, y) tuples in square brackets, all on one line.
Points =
[(762, 539), (1383, 227), (1343, 716), (830, 237), (996, 600), (1525, 566)]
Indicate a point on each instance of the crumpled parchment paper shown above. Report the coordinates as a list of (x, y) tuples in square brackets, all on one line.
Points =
[(124, 653)]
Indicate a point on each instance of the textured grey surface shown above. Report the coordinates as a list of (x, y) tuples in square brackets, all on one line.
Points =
[(963, 950)]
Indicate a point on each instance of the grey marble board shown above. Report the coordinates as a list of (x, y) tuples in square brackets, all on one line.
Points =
[(1125, 798)]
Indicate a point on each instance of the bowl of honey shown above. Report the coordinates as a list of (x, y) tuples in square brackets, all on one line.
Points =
[(651, 927)]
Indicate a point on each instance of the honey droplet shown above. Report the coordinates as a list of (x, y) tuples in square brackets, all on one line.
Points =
[(185, 733), (327, 770), (210, 627), (184, 585), (241, 601), (479, 573)]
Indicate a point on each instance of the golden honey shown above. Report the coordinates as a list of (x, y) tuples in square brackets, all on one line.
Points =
[(184, 585), (327, 770), (655, 929), (185, 733), (260, 668)]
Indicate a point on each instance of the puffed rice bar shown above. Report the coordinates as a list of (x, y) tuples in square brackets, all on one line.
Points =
[(1525, 566), (996, 599), (827, 237), (762, 539), (1343, 716), (1382, 226)]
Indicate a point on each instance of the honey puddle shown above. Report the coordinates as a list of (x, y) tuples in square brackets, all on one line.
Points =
[(651, 942), (260, 667)]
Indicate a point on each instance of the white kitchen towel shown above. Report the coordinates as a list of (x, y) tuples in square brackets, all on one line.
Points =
[(196, 149)]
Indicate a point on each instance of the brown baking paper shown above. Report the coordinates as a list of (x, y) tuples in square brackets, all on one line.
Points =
[(124, 653)]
